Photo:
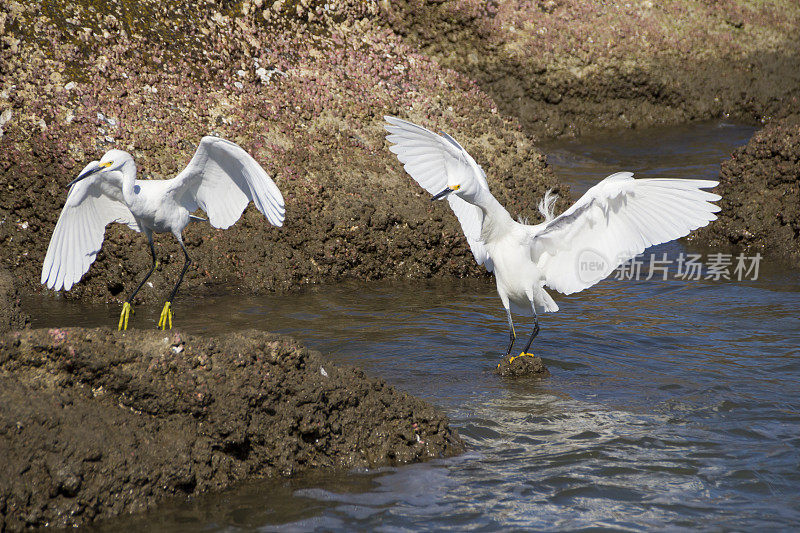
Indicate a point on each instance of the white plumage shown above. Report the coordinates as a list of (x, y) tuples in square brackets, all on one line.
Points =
[(613, 222), (431, 159), (618, 219), (91, 205), (221, 179)]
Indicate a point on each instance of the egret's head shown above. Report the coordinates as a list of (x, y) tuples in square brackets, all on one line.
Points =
[(465, 187), (449, 190), (112, 160), (460, 181)]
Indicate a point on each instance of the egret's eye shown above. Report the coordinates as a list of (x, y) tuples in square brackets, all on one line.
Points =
[(456, 187), (106, 164)]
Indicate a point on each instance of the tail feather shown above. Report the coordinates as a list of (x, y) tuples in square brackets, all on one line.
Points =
[(542, 300)]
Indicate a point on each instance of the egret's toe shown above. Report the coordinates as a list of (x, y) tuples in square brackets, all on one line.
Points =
[(166, 317), (127, 311), (522, 365), (521, 354)]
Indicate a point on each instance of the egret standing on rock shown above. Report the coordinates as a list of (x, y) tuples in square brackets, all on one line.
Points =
[(613, 222), (221, 179)]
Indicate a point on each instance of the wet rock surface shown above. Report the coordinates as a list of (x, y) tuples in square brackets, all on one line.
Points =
[(760, 188), (567, 67), (302, 86), (11, 314), (94, 423), (522, 366)]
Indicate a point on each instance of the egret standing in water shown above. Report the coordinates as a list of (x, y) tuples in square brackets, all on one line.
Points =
[(221, 179), (613, 222)]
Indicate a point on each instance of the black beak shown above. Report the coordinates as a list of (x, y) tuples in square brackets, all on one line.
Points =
[(441, 194), (84, 176)]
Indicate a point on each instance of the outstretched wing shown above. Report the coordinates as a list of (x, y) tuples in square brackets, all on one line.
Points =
[(91, 205), (615, 221), (221, 179), (430, 159)]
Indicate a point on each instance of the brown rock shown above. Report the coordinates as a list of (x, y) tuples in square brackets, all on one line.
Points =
[(760, 188), (95, 423), (11, 314), (523, 365)]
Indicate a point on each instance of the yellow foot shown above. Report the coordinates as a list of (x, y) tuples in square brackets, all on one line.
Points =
[(127, 311), (522, 354), (513, 357), (166, 316)]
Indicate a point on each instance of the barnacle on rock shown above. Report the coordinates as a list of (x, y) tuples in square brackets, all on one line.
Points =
[(305, 97)]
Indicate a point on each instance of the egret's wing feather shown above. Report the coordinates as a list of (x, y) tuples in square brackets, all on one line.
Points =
[(615, 221), (91, 205), (434, 161), (221, 179)]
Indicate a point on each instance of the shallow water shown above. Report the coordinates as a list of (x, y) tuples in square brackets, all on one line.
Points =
[(672, 404)]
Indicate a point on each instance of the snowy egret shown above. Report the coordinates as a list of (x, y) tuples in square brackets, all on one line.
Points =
[(613, 222), (221, 179)]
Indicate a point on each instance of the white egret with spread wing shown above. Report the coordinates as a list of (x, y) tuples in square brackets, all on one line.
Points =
[(221, 179), (611, 223)]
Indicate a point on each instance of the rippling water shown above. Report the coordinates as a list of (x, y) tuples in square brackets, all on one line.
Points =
[(673, 404)]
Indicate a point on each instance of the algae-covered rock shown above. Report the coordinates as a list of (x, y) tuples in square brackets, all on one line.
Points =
[(95, 423), (302, 86), (566, 67), (760, 188), (11, 314), (522, 366)]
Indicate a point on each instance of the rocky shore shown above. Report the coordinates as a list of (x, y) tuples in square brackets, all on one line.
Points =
[(303, 89), (12, 317), (303, 86), (95, 423), (760, 188), (567, 67)]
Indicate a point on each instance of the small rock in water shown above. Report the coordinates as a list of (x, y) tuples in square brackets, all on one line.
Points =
[(523, 366)]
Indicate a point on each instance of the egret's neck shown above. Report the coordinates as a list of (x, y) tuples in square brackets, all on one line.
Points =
[(495, 216), (128, 172), (489, 205)]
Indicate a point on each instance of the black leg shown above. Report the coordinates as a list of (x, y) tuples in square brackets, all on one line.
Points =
[(535, 329), (149, 272), (126, 307), (165, 321), (186, 266), (511, 333)]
